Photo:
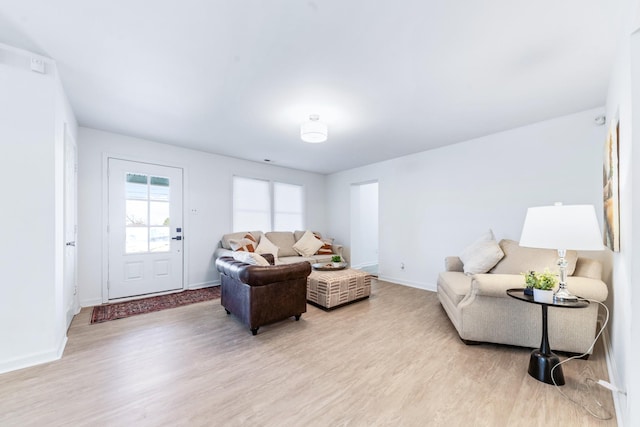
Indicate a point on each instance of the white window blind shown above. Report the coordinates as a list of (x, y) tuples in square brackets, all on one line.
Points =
[(251, 204), (266, 206), (287, 207)]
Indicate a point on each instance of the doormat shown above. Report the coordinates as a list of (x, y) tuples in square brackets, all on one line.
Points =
[(120, 310)]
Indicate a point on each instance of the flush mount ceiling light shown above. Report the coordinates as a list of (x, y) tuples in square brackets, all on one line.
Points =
[(313, 130)]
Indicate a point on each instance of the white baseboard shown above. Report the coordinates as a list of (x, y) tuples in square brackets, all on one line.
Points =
[(34, 359), (425, 286), (91, 302), (71, 313), (364, 265), (193, 286), (619, 400), (371, 268)]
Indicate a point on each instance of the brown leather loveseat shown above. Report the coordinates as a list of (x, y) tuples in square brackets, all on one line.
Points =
[(259, 295)]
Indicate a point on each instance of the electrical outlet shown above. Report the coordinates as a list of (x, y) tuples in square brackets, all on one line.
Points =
[(194, 211), (402, 266)]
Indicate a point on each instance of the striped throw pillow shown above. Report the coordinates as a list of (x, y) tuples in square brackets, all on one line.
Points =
[(248, 243), (327, 245)]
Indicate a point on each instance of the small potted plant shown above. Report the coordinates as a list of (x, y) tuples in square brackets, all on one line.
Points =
[(543, 289), (336, 260), (530, 280)]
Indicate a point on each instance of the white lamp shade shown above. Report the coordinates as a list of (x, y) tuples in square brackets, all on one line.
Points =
[(570, 227), (313, 130)]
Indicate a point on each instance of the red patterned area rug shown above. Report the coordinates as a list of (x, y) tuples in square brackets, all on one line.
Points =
[(120, 310)]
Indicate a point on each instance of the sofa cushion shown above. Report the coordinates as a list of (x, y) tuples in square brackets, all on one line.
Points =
[(308, 244), (267, 247), (586, 267), (284, 241), (481, 255), (250, 258), (518, 259), (297, 235)]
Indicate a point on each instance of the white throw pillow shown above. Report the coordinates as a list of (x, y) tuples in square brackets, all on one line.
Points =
[(308, 244), (480, 256), (267, 247), (250, 258)]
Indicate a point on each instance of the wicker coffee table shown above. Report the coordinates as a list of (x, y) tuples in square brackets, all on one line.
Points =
[(333, 289)]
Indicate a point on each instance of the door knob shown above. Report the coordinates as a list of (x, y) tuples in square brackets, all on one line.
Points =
[(177, 238), (70, 243)]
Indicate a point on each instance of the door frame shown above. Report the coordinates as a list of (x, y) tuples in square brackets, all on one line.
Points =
[(353, 220), (71, 305), (105, 219)]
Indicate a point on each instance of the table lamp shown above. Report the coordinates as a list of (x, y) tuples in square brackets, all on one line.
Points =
[(562, 227)]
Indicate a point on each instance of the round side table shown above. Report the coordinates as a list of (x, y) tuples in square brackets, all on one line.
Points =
[(543, 359)]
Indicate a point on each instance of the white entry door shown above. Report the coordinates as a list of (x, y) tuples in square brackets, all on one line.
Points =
[(145, 228)]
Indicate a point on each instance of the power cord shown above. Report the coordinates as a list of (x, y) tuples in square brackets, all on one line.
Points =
[(589, 382)]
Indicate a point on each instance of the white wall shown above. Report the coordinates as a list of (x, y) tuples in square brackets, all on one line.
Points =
[(33, 110), (434, 203), (625, 324), (208, 189), (631, 356)]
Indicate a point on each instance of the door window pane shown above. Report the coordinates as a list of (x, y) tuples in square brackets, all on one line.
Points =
[(137, 212), (159, 213), (159, 188), (136, 187), (147, 213), (137, 240), (159, 240)]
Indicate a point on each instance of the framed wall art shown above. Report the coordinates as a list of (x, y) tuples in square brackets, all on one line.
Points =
[(611, 192)]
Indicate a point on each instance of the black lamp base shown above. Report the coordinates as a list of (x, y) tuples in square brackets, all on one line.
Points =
[(540, 366)]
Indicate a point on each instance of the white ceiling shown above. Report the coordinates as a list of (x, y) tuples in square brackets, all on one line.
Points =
[(390, 78)]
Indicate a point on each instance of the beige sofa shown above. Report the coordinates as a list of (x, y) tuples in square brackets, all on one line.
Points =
[(284, 241), (481, 311)]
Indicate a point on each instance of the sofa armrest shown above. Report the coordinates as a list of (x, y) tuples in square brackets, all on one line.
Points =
[(220, 252), (495, 285), (270, 258), (453, 263), (588, 288)]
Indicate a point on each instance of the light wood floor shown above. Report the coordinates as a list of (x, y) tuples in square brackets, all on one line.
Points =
[(391, 360)]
